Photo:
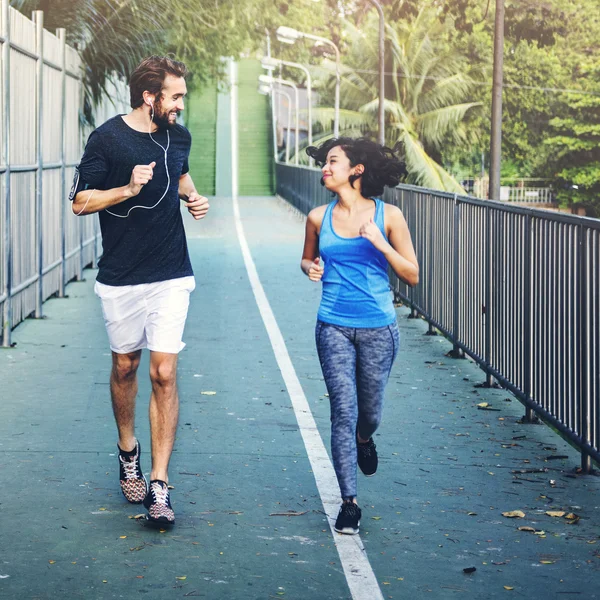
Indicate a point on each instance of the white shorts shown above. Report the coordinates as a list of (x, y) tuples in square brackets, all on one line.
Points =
[(150, 315)]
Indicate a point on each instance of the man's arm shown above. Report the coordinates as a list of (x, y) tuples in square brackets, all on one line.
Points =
[(196, 204), (91, 201)]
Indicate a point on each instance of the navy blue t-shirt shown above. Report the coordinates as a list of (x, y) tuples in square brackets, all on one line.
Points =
[(149, 245)]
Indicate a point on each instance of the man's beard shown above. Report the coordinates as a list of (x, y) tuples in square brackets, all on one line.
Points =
[(161, 117)]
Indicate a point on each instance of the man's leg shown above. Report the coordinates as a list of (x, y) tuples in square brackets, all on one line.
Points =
[(123, 390), (168, 304), (164, 411)]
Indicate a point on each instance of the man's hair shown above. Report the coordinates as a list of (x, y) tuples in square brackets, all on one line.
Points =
[(149, 76)]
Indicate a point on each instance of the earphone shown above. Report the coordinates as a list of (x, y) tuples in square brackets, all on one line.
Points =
[(165, 150)]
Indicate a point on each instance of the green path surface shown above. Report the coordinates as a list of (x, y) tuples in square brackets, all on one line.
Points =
[(434, 507)]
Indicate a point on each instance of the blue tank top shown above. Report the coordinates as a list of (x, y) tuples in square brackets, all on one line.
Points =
[(356, 287)]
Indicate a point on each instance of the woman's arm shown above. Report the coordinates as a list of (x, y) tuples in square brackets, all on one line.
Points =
[(310, 263)]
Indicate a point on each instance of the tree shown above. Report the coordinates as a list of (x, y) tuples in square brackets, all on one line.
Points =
[(427, 97), (576, 145)]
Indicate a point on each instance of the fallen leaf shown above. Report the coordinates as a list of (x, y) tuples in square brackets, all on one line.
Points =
[(472, 514), (209, 393), (525, 528), (514, 514), (507, 587), (122, 537), (483, 405), (547, 562), (376, 518), (555, 513), (572, 518), (182, 578), (469, 570), (51, 562), (140, 516)]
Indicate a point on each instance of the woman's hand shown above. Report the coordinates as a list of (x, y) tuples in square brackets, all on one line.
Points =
[(315, 271), (371, 232)]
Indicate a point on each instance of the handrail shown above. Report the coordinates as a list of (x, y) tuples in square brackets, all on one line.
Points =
[(515, 288)]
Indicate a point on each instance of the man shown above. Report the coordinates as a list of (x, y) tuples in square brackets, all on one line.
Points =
[(134, 172)]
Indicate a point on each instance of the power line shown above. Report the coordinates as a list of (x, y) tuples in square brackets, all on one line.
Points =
[(483, 83)]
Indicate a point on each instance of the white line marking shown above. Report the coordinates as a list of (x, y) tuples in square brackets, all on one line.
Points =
[(359, 574)]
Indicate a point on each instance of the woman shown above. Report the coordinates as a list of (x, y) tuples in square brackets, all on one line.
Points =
[(357, 236)]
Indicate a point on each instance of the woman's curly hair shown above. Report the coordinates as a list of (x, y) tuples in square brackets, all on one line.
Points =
[(382, 166)]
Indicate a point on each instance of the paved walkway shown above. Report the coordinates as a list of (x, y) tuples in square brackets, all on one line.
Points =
[(448, 468)]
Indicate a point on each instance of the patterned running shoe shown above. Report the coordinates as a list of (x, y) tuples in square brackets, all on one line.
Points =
[(366, 455), (133, 482), (158, 503), (348, 519)]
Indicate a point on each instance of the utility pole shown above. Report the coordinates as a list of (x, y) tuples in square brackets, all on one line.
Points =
[(496, 138), (381, 109)]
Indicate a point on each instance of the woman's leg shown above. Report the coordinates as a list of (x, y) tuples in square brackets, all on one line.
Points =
[(335, 346), (376, 350)]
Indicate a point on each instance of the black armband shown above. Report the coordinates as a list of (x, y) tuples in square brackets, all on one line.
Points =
[(78, 185)]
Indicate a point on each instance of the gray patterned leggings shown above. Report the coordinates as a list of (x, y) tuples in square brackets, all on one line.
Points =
[(356, 365)]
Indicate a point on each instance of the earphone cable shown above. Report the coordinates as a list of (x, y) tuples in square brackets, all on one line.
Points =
[(165, 150)]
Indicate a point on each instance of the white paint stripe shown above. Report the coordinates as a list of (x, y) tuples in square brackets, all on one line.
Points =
[(359, 574)]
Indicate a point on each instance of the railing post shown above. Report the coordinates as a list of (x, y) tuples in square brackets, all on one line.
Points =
[(456, 351), (7, 233), (584, 328), (38, 19), (488, 296), (530, 416), (62, 36), (80, 222)]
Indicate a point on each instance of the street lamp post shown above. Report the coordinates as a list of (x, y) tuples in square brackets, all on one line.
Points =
[(381, 108), (270, 63), (270, 80), (267, 90), (289, 36), (496, 138)]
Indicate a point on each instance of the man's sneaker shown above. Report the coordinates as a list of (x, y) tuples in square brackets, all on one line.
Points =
[(133, 482), (158, 503), (348, 518), (366, 455)]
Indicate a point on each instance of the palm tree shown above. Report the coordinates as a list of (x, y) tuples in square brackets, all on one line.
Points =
[(426, 104)]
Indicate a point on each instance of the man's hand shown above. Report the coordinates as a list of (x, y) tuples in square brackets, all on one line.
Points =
[(140, 176), (371, 232), (315, 271), (197, 205)]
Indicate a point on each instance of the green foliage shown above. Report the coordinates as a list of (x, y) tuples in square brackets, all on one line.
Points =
[(575, 145), (428, 92), (438, 59)]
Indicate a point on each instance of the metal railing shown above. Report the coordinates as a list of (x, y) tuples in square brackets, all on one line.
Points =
[(516, 289), (42, 246)]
